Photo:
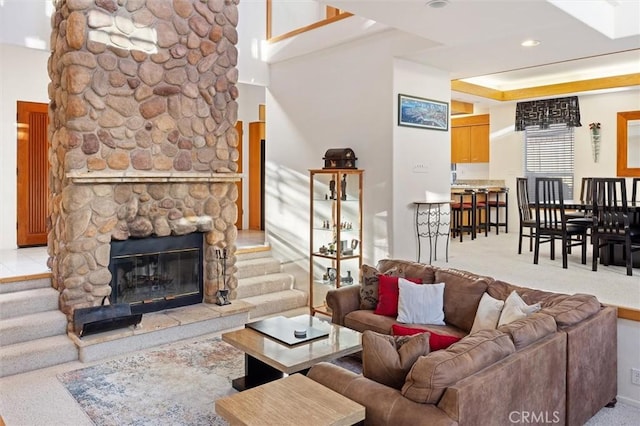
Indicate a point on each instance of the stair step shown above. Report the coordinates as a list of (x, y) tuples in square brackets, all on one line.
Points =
[(26, 283), (253, 253), (31, 327), (255, 286), (36, 354), (28, 302), (280, 301), (256, 267)]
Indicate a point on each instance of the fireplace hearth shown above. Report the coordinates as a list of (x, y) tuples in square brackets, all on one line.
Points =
[(157, 273)]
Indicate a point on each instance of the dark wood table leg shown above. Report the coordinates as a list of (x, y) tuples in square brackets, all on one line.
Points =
[(256, 373)]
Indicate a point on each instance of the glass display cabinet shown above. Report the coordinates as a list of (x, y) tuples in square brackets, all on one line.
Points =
[(335, 237)]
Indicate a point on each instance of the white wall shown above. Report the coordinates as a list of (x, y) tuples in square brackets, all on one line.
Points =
[(251, 35), (628, 358), (421, 158), (24, 83)]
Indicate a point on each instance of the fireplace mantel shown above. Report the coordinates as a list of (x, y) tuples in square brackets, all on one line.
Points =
[(150, 177)]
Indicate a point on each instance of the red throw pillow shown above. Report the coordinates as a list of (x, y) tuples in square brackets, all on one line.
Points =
[(436, 341), (388, 294)]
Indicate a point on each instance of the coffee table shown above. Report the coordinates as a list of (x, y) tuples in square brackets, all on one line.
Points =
[(294, 400), (268, 359)]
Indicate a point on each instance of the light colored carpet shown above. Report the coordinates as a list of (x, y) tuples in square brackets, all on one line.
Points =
[(174, 385)]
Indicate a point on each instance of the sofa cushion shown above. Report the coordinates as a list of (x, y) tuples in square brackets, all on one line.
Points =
[(388, 294), (462, 294), (406, 268), (418, 303), (369, 287), (436, 341), (528, 330), (515, 308), (388, 359), (432, 374), (362, 320), (573, 309), (488, 313)]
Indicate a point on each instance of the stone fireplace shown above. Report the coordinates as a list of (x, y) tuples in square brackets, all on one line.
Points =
[(143, 144)]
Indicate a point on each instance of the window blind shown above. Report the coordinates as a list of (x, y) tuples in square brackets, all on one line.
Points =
[(549, 153)]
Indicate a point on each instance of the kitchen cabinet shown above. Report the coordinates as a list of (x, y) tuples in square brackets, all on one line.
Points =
[(470, 139)]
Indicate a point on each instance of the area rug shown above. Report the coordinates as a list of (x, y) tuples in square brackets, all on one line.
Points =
[(173, 385)]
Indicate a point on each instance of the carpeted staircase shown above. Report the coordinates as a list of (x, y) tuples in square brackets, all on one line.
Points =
[(262, 284), (33, 332)]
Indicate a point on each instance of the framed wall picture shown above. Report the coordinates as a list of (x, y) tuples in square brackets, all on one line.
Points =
[(423, 113)]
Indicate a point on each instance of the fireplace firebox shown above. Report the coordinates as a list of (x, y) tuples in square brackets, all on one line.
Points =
[(157, 273)]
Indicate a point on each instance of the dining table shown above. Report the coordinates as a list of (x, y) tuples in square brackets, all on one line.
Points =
[(633, 208)]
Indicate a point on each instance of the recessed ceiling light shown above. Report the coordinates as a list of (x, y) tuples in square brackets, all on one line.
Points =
[(530, 43), (437, 4)]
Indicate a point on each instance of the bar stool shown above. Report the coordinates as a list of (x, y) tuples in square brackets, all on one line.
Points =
[(482, 205), (497, 202), (458, 209)]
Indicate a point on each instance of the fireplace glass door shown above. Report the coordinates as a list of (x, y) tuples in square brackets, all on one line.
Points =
[(153, 274)]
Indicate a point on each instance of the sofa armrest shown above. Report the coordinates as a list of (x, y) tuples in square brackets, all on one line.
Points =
[(343, 300), (384, 405)]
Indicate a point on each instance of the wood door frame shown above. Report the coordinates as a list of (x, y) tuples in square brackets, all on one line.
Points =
[(239, 201)]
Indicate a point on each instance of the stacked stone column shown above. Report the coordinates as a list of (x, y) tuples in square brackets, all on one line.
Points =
[(143, 99)]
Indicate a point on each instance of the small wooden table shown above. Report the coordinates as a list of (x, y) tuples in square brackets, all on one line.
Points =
[(294, 400), (267, 359)]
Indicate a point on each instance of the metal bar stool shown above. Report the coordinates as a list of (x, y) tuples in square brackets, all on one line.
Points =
[(458, 209), (497, 202), (482, 205)]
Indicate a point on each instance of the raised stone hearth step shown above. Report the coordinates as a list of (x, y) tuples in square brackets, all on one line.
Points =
[(255, 286), (28, 283), (256, 267), (31, 327), (28, 302), (36, 354), (272, 303)]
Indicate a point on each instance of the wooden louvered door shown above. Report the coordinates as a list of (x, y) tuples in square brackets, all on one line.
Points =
[(33, 174)]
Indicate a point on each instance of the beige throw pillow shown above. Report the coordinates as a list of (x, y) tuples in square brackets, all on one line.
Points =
[(488, 313), (515, 308), (387, 359)]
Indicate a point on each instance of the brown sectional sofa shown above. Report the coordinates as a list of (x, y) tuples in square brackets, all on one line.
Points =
[(556, 366)]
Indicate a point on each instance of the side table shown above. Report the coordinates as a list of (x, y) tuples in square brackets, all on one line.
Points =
[(429, 224), (294, 400)]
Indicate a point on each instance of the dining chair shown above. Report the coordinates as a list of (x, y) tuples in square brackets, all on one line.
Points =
[(635, 199), (552, 223), (585, 198), (527, 221), (611, 222)]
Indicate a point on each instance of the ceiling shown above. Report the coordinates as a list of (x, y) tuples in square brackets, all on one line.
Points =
[(480, 40)]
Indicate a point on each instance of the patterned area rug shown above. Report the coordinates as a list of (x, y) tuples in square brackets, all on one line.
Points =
[(175, 385)]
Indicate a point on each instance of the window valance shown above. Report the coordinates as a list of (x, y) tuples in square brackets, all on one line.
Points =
[(544, 112)]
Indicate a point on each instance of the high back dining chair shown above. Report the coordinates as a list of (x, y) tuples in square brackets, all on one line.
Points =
[(612, 223), (552, 224), (635, 199), (527, 221), (585, 198)]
